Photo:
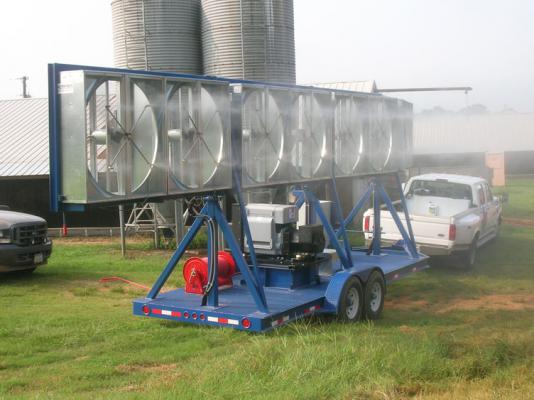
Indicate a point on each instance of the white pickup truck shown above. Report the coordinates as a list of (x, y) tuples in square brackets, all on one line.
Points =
[(450, 215)]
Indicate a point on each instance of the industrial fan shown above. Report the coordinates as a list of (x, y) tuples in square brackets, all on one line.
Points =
[(263, 136), (349, 128), (310, 136), (122, 125), (380, 135), (197, 115)]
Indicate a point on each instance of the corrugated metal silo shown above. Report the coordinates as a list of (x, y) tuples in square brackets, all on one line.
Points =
[(161, 35), (249, 39)]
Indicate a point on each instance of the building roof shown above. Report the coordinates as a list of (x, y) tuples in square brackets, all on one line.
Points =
[(24, 137), (353, 86)]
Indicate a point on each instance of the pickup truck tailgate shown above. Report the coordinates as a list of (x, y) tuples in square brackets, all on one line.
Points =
[(427, 229)]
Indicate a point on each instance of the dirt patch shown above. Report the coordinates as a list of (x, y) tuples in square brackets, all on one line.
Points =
[(160, 368), (489, 302), (519, 222)]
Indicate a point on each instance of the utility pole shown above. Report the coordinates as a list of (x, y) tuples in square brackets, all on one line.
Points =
[(25, 79)]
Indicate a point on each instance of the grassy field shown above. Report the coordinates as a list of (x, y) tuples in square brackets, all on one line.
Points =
[(444, 334)]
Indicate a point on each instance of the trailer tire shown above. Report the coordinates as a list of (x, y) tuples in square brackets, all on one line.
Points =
[(375, 291), (351, 301)]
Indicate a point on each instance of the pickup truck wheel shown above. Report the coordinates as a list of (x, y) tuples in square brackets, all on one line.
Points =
[(375, 290), (469, 258), (351, 301)]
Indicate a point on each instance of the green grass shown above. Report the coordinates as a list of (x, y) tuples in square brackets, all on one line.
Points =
[(521, 198), (444, 334)]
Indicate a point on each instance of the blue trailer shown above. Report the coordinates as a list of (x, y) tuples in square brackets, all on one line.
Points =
[(264, 296)]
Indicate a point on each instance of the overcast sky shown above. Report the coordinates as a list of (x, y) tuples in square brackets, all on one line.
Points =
[(487, 44)]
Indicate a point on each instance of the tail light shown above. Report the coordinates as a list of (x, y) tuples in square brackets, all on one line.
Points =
[(366, 223), (452, 232)]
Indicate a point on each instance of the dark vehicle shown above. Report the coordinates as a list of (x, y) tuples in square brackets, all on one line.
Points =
[(24, 243)]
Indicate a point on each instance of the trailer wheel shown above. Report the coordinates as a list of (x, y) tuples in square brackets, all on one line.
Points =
[(351, 301), (375, 291)]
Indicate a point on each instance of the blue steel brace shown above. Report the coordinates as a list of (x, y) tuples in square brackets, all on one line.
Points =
[(191, 233), (408, 243), (212, 210), (237, 174), (405, 208), (339, 216), (377, 229), (356, 209), (213, 295), (303, 196)]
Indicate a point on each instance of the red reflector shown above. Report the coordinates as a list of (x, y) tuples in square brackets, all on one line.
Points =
[(202, 317), (452, 232), (194, 315), (146, 310), (366, 223), (186, 314), (246, 323)]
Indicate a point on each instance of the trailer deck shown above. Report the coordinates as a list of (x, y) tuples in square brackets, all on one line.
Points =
[(238, 310)]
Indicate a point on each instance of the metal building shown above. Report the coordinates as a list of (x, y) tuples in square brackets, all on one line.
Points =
[(249, 39), (448, 132), (161, 35)]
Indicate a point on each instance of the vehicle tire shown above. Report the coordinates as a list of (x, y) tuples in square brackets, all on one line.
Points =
[(351, 301), (374, 294), (469, 257)]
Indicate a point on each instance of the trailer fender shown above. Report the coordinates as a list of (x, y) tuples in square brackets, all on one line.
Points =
[(333, 291)]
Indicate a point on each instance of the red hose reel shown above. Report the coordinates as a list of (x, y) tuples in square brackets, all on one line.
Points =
[(196, 272)]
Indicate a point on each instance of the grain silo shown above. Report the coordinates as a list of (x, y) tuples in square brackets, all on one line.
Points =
[(161, 35), (249, 39)]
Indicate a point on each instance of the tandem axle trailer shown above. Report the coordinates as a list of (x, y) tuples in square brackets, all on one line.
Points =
[(346, 281)]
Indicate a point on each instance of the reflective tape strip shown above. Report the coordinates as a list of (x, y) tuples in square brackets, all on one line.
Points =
[(280, 321), (311, 309), (225, 321), (168, 313)]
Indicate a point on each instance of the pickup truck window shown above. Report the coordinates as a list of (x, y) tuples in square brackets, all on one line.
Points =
[(445, 189)]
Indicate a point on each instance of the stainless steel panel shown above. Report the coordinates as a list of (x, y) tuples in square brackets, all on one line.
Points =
[(380, 135), (198, 135), (127, 136), (264, 135), (350, 135), (310, 141)]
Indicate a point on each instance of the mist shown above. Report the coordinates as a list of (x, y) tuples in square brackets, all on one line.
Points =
[(413, 43)]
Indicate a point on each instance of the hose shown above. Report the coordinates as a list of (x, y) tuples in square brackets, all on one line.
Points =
[(214, 247)]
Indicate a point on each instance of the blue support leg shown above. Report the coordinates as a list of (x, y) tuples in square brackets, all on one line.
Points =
[(339, 215), (377, 234), (405, 207), (176, 256), (213, 295), (356, 209), (253, 285), (409, 245)]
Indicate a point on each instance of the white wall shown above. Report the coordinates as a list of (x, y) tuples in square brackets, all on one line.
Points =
[(462, 133)]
